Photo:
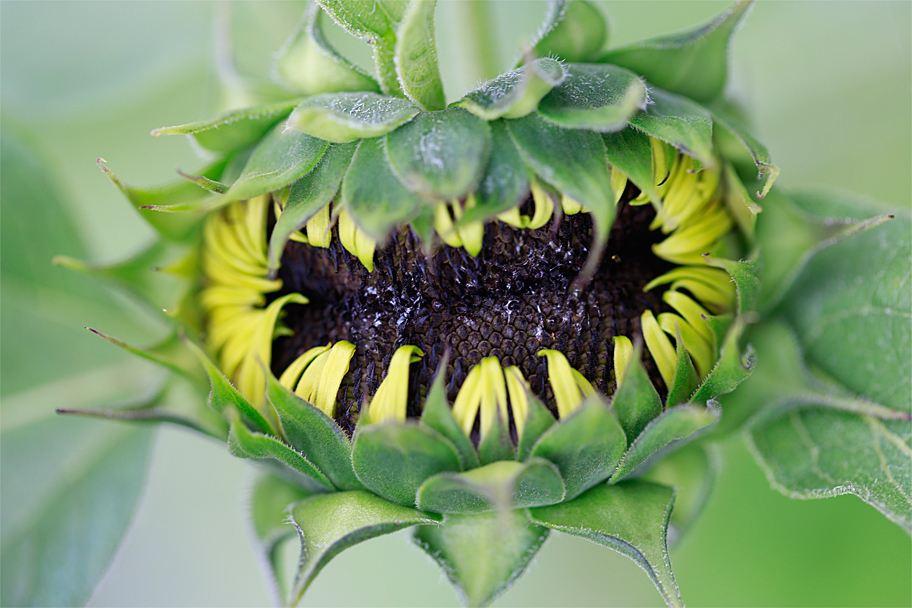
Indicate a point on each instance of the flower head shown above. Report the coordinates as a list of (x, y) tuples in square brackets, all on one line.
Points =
[(487, 319)]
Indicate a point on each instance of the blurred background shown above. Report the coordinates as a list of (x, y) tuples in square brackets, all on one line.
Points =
[(828, 84)]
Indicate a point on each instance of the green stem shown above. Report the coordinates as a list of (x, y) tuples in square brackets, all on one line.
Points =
[(480, 37)]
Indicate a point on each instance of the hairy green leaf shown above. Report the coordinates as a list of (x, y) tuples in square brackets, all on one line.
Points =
[(516, 93), (678, 121), (596, 97), (416, 56), (574, 31), (346, 117)]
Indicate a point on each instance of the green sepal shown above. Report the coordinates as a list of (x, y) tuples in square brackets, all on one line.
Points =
[(155, 408), (497, 486), (394, 459), (440, 155), (745, 275), (630, 151), (311, 432), (310, 64), (538, 420), (307, 196), (482, 554), (631, 518), (373, 195), (330, 523), (731, 368), (679, 122), (740, 204), (416, 56), (170, 353), (516, 93), (284, 460), (438, 415), (586, 447), (685, 380), (760, 155), (347, 117), (636, 402), (596, 97), (223, 396), (669, 431), (281, 157), (176, 227), (574, 30), (139, 275), (268, 505), (234, 130), (692, 471), (790, 237), (505, 182), (497, 445), (692, 63), (375, 22)]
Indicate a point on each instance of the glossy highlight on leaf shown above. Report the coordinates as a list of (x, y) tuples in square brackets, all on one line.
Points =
[(346, 117)]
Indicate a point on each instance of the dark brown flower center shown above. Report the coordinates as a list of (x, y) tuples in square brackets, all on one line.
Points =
[(509, 302)]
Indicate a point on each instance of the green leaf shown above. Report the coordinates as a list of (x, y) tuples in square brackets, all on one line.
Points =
[(170, 353), (173, 226), (685, 380), (506, 180), (538, 420), (483, 554), (758, 151), (790, 237), (281, 157), (438, 415), (630, 151), (669, 431), (851, 306), (234, 130), (416, 56), (394, 459), (586, 447), (314, 434), (284, 460), (497, 486), (745, 275), (573, 31), (269, 503), (346, 117), (516, 93), (74, 486), (692, 472), (818, 453), (680, 122), (330, 523), (631, 518), (596, 97), (636, 402), (441, 155), (310, 64), (376, 199), (307, 196), (692, 63)]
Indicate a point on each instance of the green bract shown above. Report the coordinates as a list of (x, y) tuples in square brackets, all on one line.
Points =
[(486, 469)]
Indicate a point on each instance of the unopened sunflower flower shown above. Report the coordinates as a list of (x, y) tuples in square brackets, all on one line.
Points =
[(487, 319)]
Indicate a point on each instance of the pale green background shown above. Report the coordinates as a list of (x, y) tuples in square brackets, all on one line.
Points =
[(829, 84)]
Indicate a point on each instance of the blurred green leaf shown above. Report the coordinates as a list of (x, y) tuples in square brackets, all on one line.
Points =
[(692, 63), (75, 483), (631, 518), (482, 554), (416, 56), (516, 93), (574, 30), (331, 523)]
